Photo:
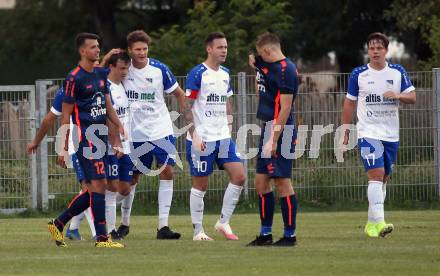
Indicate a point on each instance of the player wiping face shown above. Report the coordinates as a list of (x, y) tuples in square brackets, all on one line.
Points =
[(277, 85)]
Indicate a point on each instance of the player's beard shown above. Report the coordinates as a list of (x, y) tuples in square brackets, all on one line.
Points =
[(221, 60), (141, 60), (94, 59)]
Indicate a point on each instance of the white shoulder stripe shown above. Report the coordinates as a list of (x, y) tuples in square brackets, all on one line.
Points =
[(54, 111), (351, 97), (409, 89), (172, 88)]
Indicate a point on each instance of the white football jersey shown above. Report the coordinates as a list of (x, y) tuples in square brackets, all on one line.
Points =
[(378, 118), (210, 89), (120, 104), (149, 116)]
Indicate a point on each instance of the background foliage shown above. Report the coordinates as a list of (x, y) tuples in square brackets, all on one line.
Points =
[(37, 35)]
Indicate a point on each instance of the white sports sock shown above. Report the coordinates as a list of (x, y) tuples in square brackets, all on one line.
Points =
[(197, 206), (110, 210), (88, 213), (230, 199), (375, 200), (76, 220), (126, 205), (384, 191), (370, 214), (165, 198)]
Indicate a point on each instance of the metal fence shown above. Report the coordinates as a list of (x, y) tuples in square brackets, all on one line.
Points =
[(18, 186), (317, 175)]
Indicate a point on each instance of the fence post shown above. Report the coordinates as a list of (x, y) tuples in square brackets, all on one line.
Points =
[(34, 163), (436, 91), (242, 113), (43, 172)]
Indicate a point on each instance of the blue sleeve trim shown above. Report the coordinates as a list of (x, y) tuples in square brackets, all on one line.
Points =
[(353, 83)]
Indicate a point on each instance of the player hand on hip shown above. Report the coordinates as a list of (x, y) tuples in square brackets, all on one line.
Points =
[(391, 95)]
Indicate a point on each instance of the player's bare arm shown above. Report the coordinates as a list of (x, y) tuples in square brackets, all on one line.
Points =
[(114, 139), (229, 109), (189, 115), (196, 139), (286, 101), (181, 98), (47, 124), (105, 59), (348, 111), (65, 122), (252, 65), (113, 116)]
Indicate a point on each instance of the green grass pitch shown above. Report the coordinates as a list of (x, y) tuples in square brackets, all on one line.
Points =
[(328, 243)]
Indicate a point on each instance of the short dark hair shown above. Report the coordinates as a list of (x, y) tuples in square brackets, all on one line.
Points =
[(122, 56), (82, 37), (267, 38), (138, 36), (380, 37), (212, 36)]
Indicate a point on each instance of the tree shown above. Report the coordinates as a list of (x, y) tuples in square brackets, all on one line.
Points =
[(128, 15), (182, 46), (104, 17), (37, 37), (418, 27), (339, 25), (434, 44)]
